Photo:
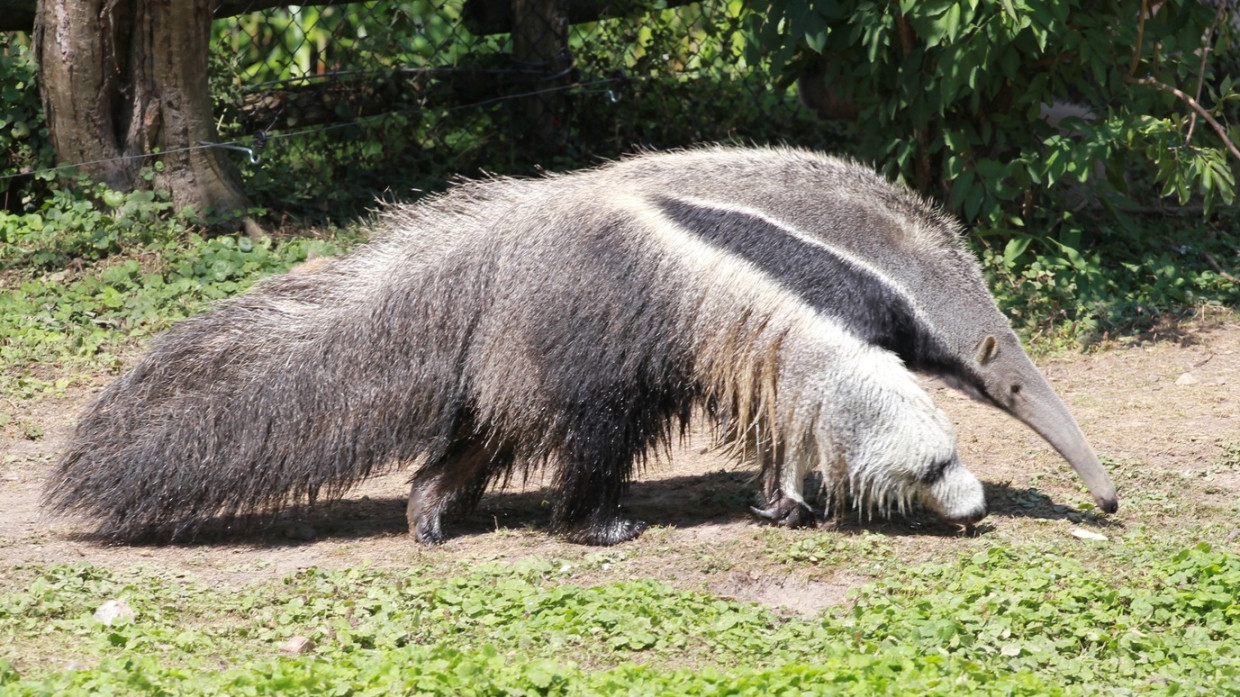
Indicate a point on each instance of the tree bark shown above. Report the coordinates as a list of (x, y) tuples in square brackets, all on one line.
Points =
[(540, 43), (122, 79), (480, 16), (18, 15)]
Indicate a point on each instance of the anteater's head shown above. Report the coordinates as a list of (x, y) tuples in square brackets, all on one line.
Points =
[(1003, 375)]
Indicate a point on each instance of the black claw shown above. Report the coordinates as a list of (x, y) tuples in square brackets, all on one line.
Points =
[(788, 512), (767, 513)]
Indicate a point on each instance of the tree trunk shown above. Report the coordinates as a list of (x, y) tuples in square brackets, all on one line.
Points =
[(18, 15), (482, 17), (121, 79), (540, 44)]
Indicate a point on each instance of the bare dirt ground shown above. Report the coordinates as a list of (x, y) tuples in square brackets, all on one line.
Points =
[(1164, 414)]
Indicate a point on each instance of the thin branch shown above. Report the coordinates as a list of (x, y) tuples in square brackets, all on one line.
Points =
[(1192, 103), (904, 30), (921, 166), (1206, 50), (1215, 265), (1136, 51)]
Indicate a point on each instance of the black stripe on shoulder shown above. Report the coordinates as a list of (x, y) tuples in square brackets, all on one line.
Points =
[(871, 309)]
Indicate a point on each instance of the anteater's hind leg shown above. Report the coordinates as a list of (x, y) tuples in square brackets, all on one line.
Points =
[(452, 483), (589, 509), (592, 477), (608, 438)]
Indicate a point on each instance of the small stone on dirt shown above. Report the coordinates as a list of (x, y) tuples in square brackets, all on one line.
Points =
[(1087, 535), (1186, 379), (296, 646), (112, 611)]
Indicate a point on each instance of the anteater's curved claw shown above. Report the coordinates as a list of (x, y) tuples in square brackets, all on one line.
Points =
[(788, 512)]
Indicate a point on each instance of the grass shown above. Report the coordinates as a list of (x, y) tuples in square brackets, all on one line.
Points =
[(1019, 619), (77, 298)]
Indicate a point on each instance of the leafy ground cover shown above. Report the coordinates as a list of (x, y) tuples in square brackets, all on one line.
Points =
[(1001, 621), (87, 278)]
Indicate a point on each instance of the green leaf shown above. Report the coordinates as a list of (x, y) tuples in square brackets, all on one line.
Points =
[(1015, 248), (111, 298), (990, 169), (973, 201), (962, 189), (113, 199), (816, 41)]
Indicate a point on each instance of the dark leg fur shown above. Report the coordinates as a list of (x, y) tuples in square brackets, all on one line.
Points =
[(593, 475), (613, 426), (450, 484), (589, 510), (603, 530)]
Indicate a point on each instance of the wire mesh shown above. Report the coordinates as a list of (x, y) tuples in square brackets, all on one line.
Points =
[(399, 95)]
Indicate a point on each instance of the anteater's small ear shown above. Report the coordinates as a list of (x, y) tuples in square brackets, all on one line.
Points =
[(987, 349)]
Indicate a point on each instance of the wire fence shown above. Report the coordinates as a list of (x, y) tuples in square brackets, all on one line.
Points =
[(329, 105), (397, 94)]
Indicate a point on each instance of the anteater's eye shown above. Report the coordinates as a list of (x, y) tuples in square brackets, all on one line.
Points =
[(1015, 390)]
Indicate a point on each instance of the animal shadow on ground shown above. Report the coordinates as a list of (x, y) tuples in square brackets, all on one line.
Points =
[(682, 502), (1005, 500), (679, 502), (1002, 500)]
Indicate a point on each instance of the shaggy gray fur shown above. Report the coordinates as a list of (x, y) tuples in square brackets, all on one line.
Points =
[(576, 322)]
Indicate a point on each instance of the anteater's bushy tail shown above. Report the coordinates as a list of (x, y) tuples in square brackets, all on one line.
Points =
[(297, 390)]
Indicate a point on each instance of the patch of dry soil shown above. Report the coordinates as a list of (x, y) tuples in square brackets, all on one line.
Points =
[(1165, 417)]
